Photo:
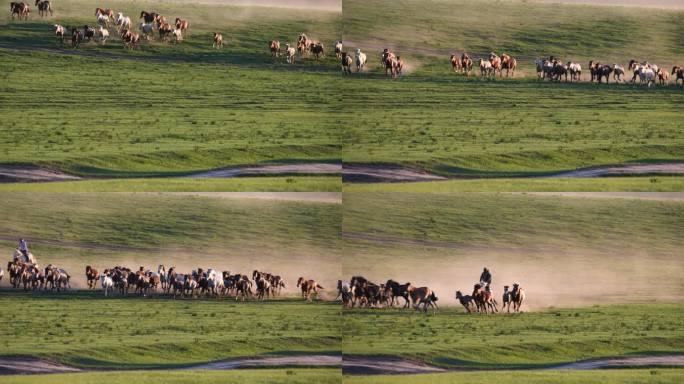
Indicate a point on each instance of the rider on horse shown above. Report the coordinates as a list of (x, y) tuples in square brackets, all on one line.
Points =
[(486, 278)]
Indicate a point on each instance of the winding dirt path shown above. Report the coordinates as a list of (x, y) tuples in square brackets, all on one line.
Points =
[(365, 365), (351, 365), (356, 365), (275, 169), (32, 365), (28, 173), (390, 173)]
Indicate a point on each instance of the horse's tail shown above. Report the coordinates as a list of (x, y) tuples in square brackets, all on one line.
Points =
[(319, 286)]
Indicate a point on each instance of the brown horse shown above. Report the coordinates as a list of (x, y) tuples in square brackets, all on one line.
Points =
[(44, 7), (218, 40), (346, 62), (107, 12), (309, 288), (274, 47), (149, 16), (182, 25), (496, 63), (679, 72), (22, 10), (508, 63), (389, 61), (518, 297), (92, 276), (423, 295), (466, 63), (455, 63)]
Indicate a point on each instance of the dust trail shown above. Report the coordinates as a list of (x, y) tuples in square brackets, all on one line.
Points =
[(551, 278)]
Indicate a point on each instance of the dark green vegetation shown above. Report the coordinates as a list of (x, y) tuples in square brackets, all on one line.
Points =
[(452, 125), (166, 110), (85, 329), (605, 184), (530, 340), (103, 229), (618, 376), (176, 184), (256, 376)]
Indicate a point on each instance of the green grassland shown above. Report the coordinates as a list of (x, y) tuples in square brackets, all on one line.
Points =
[(603, 184), (621, 376), (521, 28), (515, 220), (530, 340), (257, 376), (85, 329), (167, 110), (291, 238), (451, 125), (175, 184)]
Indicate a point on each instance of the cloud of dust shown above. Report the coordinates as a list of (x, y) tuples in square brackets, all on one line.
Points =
[(559, 279)]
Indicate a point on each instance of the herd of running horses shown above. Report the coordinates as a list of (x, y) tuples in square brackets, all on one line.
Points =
[(552, 68), (24, 272), (27, 274), (360, 292)]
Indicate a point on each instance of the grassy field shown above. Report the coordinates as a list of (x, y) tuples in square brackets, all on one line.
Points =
[(167, 110), (291, 238), (514, 220), (257, 376), (85, 329), (604, 184), (621, 376), (521, 28), (529, 340), (241, 184), (561, 249), (452, 125)]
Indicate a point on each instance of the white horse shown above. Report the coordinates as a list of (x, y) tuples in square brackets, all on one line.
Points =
[(338, 49), (290, 53), (178, 34), (163, 278), (575, 71), (124, 22), (107, 284), (103, 20), (646, 74), (360, 60), (2, 273), (486, 68), (146, 29), (103, 35)]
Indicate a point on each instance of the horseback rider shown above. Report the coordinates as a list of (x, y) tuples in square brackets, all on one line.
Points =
[(486, 278), (23, 248)]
